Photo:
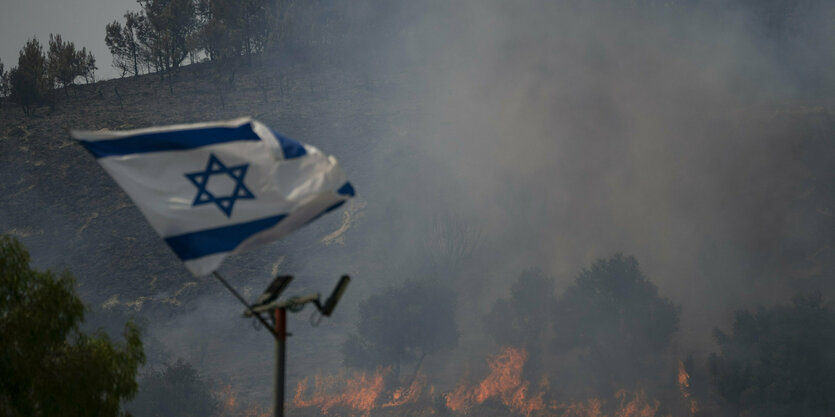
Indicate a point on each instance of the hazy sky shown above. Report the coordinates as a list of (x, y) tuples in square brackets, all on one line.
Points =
[(79, 21)]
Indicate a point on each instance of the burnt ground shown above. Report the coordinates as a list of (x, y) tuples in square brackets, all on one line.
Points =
[(71, 215)]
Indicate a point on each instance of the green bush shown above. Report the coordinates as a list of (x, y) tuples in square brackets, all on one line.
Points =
[(48, 367)]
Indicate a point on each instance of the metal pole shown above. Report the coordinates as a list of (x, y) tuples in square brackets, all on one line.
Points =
[(241, 299), (280, 339)]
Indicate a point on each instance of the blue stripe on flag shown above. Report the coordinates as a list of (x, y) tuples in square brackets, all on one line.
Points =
[(223, 239), (346, 189), (176, 140), (289, 147)]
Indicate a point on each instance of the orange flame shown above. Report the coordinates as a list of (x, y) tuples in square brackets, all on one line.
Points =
[(229, 405), (358, 393), (684, 387), (409, 394), (590, 408), (635, 407), (504, 382), (256, 411), (229, 400)]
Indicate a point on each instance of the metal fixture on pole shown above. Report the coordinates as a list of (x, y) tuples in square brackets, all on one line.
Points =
[(276, 309), (268, 302)]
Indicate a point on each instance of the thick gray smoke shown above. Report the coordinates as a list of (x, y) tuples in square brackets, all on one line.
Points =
[(568, 131), (556, 133)]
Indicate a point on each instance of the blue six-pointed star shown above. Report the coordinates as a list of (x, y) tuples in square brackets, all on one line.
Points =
[(200, 180)]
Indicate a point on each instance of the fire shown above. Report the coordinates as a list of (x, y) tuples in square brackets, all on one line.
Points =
[(229, 400), (637, 406), (684, 387), (256, 411), (504, 382), (409, 394), (590, 408), (229, 405), (358, 393)]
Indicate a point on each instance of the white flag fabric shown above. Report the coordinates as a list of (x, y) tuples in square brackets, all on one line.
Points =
[(217, 188)]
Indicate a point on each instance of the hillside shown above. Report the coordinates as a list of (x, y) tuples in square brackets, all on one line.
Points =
[(71, 215), (88, 214), (749, 210)]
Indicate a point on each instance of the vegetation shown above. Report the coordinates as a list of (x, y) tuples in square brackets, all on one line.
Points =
[(402, 325), (612, 318), (523, 318), (615, 318), (163, 33), (170, 24), (65, 64), (124, 43), (4, 81), (231, 28), (177, 390), (610, 305), (29, 81), (778, 361), (49, 367)]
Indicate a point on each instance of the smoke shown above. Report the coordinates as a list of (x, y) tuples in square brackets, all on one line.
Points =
[(691, 135), (568, 131), (694, 135)]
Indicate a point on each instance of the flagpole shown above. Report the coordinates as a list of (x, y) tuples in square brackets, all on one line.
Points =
[(280, 334), (280, 354), (243, 301), (270, 304)]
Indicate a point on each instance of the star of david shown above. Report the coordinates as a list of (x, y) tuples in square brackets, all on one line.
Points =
[(200, 180)]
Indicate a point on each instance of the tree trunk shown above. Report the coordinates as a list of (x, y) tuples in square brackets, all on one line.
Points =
[(417, 369), (135, 61), (170, 85)]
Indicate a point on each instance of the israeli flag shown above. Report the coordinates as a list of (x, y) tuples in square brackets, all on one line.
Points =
[(214, 189)]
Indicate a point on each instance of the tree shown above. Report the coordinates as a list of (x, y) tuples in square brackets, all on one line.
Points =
[(48, 367), (160, 36), (219, 32), (177, 390), (451, 242), (63, 63), (170, 25), (524, 318), (28, 81), (87, 68), (778, 361), (255, 26), (4, 81), (617, 320), (233, 28), (124, 45), (402, 325)]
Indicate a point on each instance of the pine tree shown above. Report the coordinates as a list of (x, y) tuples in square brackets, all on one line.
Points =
[(63, 62), (29, 82), (4, 81), (87, 65)]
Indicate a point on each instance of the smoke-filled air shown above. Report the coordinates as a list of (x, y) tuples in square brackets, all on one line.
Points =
[(564, 208)]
